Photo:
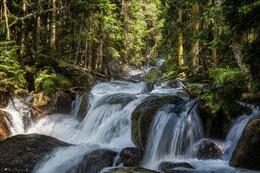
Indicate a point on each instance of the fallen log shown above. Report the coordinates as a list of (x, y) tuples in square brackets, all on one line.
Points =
[(30, 104)]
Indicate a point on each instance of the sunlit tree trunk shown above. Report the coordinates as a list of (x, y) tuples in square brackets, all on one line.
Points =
[(53, 26), (195, 49), (180, 52), (22, 49), (6, 21)]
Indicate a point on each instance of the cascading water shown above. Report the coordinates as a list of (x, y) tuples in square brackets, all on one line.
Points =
[(172, 134), (174, 131)]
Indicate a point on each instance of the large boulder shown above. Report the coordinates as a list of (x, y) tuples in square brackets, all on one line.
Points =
[(247, 152), (208, 150), (131, 156), (83, 109), (4, 121), (59, 103), (95, 161), (176, 83), (4, 98), (152, 75), (143, 114), (118, 98), (168, 167), (23, 152), (132, 170)]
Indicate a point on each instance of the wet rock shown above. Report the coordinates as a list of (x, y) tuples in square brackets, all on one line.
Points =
[(95, 161), (143, 114), (216, 125), (115, 70), (4, 121), (4, 98), (133, 170), (176, 83), (149, 87), (23, 152), (60, 103), (131, 156), (194, 90), (152, 75), (168, 167), (118, 98), (208, 150), (163, 67), (83, 109), (247, 152)]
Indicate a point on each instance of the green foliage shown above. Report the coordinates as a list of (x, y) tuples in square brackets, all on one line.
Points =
[(50, 82), (152, 75), (12, 76), (194, 89), (230, 83), (84, 80)]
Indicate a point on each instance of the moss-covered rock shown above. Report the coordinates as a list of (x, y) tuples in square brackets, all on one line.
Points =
[(143, 114), (152, 75), (4, 98), (4, 129), (168, 167), (83, 109), (217, 124), (247, 152), (23, 152), (208, 150), (131, 156), (60, 102), (95, 161), (194, 89), (132, 170)]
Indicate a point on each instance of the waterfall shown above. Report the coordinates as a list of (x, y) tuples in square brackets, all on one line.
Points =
[(172, 134)]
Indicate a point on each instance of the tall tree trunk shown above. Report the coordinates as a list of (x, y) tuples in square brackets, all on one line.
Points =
[(180, 52), (240, 61), (53, 26), (214, 52), (22, 49), (6, 21), (195, 49)]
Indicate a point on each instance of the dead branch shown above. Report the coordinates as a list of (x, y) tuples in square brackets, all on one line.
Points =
[(30, 104)]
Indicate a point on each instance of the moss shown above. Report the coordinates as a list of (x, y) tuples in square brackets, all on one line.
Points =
[(152, 75), (194, 89), (84, 80)]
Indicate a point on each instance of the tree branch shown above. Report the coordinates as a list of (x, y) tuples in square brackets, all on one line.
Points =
[(35, 13)]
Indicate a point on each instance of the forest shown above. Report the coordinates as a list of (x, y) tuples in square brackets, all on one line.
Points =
[(119, 84), (204, 40)]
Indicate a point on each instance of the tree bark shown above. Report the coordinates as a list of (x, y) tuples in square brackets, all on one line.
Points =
[(6, 21), (180, 52), (53, 26), (240, 61), (195, 49)]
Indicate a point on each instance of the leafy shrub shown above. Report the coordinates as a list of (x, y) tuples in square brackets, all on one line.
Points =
[(12, 76), (49, 81), (230, 83)]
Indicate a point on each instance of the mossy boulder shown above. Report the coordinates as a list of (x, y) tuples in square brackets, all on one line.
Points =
[(4, 121), (168, 167), (208, 150), (60, 102), (194, 90), (152, 75), (247, 152), (131, 156), (132, 170), (143, 114), (4, 98), (83, 109), (217, 124), (23, 152), (95, 161)]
